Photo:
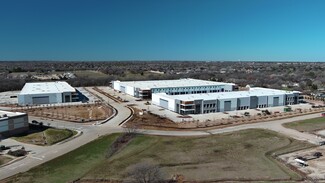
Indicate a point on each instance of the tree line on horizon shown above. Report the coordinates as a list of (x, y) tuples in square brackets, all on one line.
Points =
[(301, 76)]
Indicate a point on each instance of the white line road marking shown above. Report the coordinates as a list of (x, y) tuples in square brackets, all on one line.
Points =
[(37, 158)]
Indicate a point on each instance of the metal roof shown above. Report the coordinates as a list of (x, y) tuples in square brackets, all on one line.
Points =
[(10, 114), (46, 87), (188, 82), (228, 95)]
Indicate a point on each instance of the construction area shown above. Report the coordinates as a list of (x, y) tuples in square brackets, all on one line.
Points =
[(74, 113), (146, 120), (310, 162)]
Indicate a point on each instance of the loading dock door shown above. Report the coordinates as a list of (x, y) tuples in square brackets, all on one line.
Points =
[(123, 89), (253, 102), (41, 100), (227, 106), (4, 126), (276, 101), (163, 103)]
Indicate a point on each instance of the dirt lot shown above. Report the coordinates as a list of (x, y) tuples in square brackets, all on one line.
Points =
[(316, 166), (73, 113), (147, 120)]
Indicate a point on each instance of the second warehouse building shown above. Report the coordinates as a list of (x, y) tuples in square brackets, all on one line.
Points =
[(226, 101), (47, 93), (144, 89)]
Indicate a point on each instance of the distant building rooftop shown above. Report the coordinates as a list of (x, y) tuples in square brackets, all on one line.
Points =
[(227, 95), (46, 87), (188, 82), (10, 114)]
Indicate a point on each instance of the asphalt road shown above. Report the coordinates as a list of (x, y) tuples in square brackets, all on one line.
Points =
[(40, 155)]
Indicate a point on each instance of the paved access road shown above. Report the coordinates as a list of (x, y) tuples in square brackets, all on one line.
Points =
[(275, 125), (90, 132)]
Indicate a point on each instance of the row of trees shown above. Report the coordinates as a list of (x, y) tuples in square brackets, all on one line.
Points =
[(309, 76)]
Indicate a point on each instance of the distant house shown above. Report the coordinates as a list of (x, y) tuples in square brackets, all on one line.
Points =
[(284, 85)]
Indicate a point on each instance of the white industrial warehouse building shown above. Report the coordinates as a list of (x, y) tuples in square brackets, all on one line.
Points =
[(144, 89), (225, 101), (47, 93), (12, 123)]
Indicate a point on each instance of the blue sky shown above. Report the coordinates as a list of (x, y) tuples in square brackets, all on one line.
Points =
[(265, 30)]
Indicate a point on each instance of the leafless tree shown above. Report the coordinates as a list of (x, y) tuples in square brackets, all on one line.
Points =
[(131, 129), (144, 172)]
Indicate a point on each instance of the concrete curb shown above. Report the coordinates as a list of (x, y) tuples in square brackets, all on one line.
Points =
[(128, 118), (70, 138), (115, 112), (13, 161)]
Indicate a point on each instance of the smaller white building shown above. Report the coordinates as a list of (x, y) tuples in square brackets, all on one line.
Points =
[(12, 123), (47, 93)]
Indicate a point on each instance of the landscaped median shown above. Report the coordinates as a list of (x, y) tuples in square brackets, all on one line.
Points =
[(48, 136), (79, 113), (242, 156)]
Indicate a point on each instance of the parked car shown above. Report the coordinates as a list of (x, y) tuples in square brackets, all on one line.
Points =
[(3, 147), (322, 143), (317, 154), (301, 158), (35, 122), (267, 112), (323, 114)]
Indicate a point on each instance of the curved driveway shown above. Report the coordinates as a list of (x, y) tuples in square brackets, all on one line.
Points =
[(91, 132)]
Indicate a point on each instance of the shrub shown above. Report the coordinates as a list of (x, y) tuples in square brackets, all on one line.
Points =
[(18, 153)]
